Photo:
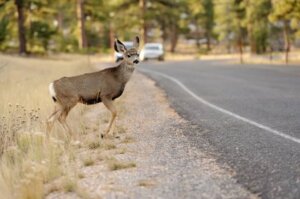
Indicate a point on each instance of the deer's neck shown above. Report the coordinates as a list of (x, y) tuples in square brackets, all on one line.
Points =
[(125, 71)]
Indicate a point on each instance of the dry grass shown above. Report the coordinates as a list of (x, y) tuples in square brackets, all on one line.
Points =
[(146, 183), (69, 185), (88, 162), (114, 164), (94, 145), (128, 139), (81, 175), (121, 151), (27, 158), (82, 193), (107, 144), (277, 58), (121, 130)]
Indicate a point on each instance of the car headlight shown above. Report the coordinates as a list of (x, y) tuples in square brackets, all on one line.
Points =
[(142, 55)]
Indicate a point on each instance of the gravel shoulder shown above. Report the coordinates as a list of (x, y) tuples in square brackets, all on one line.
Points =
[(152, 158)]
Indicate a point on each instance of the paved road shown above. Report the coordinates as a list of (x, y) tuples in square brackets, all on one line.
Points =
[(248, 116)]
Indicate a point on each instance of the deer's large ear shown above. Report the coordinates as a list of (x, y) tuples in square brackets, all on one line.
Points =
[(119, 46), (136, 42)]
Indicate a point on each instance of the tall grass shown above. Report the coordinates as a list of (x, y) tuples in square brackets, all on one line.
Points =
[(27, 159)]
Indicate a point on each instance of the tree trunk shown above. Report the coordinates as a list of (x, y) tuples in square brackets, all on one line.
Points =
[(197, 35), (240, 43), (228, 47), (252, 41), (207, 40), (60, 19), (21, 27), (144, 30), (241, 52), (164, 35), (111, 36), (82, 40), (286, 42), (174, 38)]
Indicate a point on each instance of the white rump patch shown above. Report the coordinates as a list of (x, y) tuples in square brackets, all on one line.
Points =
[(51, 90)]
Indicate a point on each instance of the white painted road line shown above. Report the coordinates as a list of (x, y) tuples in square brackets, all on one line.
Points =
[(213, 106)]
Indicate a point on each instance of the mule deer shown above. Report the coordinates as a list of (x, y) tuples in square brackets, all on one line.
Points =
[(91, 88)]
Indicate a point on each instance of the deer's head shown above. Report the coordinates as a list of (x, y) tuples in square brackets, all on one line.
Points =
[(131, 55)]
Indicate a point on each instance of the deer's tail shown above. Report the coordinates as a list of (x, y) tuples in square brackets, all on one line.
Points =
[(52, 91)]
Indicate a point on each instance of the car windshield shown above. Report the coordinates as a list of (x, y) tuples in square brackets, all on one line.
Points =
[(128, 45), (151, 47)]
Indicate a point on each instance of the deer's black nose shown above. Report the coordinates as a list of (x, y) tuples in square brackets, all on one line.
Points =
[(136, 61)]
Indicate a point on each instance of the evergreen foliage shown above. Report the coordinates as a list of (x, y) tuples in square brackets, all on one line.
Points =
[(39, 26)]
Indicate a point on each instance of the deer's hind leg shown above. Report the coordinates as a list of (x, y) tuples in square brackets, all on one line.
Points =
[(63, 119), (110, 106), (52, 118)]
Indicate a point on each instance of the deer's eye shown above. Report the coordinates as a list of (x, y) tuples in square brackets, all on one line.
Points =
[(128, 56)]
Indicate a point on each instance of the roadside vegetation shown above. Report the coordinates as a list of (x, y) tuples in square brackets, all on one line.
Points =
[(32, 166), (28, 159)]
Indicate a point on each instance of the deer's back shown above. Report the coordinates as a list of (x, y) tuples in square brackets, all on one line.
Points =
[(88, 88)]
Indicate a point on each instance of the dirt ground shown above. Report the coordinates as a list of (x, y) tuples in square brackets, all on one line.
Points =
[(151, 159)]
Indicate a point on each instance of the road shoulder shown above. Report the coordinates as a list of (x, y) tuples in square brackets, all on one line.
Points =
[(161, 162)]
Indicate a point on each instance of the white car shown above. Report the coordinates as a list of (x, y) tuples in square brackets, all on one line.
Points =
[(152, 51), (119, 56)]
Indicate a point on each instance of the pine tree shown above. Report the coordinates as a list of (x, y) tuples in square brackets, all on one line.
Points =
[(20, 7), (286, 13), (258, 25), (230, 22)]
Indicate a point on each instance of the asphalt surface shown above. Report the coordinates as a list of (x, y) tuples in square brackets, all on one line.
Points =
[(262, 148)]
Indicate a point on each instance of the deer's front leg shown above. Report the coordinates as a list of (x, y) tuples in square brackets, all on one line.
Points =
[(110, 106)]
